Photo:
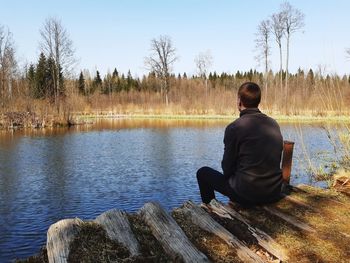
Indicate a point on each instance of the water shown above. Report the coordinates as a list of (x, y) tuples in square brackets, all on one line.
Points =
[(49, 175)]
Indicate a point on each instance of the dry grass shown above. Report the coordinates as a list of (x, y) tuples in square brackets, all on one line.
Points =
[(330, 216)]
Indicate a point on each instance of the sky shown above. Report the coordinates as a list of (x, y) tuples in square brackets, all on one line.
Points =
[(116, 34)]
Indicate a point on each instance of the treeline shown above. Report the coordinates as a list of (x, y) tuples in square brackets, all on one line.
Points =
[(309, 92)]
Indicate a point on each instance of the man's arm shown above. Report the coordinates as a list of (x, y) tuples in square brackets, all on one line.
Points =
[(229, 160)]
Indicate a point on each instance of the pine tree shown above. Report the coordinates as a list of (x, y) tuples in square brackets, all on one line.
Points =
[(129, 81), (115, 73), (238, 75), (310, 77), (122, 82), (50, 77), (81, 84), (31, 80), (215, 76), (97, 83), (40, 77)]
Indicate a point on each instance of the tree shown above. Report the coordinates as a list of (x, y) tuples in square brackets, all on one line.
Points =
[(41, 78), (278, 28), (293, 20), (129, 81), (97, 83), (115, 73), (57, 45), (81, 83), (160, 61), (8, 63), (32, 80), (203, 62), (262, 44), (114, 80), (51, 71)]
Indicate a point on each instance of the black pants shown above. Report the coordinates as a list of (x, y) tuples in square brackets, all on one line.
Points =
[(210, 180)]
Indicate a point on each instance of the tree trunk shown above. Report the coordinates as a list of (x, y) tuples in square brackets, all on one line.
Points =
[(118, 228), (291, 220), (262, 238), (202, 219), (281, 73), (167, 91), (266, 76), (59, 237), (166, 99), (286, 81), (170, 235)]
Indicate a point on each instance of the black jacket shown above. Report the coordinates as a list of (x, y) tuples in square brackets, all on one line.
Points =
[(252, 156)]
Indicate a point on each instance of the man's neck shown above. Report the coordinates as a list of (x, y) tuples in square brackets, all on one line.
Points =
[(248, 111)]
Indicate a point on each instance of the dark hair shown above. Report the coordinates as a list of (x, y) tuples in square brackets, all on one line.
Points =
[(250, 94)]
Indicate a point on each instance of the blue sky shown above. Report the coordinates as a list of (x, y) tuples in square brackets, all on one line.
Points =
[(108, 34)]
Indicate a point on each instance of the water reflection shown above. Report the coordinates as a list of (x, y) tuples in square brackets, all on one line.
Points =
[(50, 174)]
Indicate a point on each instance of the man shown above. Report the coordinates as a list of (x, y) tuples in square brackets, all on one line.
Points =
[(252, 156)]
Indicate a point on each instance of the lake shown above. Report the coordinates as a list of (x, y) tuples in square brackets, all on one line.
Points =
[(47, 175)]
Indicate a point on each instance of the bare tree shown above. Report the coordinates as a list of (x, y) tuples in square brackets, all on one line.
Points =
[(160, 61), (278, 28), (56, 44), (347, 51), (8, 63), (203, 62), (294, 20), (262, 44)]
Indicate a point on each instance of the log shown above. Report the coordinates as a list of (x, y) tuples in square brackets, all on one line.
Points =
[(291, 220), (296, 201), (59, 237), (262, 238), (342, 184), (170, 235), (117, 226), (202, 219)]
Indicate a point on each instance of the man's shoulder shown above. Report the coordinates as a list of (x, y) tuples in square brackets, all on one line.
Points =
[(272, 120), (234, 124), (234, 127), (264, 117)]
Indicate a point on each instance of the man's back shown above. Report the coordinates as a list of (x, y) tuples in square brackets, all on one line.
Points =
[(253, 147)]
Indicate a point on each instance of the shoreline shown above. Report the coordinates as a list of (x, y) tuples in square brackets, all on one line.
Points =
[(214, 117), (27, 120)]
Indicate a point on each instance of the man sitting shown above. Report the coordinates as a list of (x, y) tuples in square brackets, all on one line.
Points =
[(252, 156)]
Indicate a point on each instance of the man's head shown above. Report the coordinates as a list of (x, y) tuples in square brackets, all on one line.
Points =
[(249, 96)]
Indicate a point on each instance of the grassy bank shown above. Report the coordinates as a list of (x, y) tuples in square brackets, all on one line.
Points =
[(280, 118), (18, 120)]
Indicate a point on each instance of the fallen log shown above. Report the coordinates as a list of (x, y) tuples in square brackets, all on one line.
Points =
[(290, 219), (170, 235), (117, 227), (298, 202), (206, 222), (59, 237), (342, 184), (262, 238)]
